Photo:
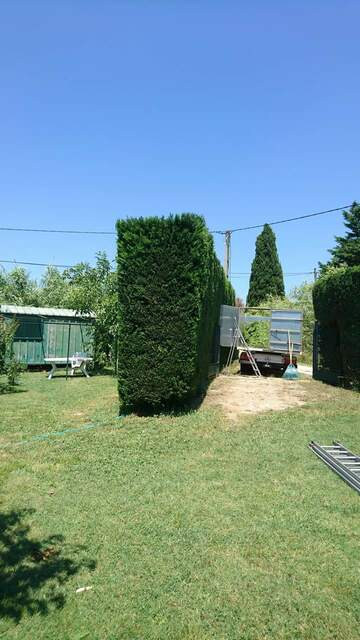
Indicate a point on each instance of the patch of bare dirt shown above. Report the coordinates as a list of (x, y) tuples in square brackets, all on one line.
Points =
[(236, 394)]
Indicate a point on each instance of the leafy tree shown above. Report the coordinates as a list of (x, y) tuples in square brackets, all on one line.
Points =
[(16, 287), (2, 282), (87, 289), (82, 287), (94, 289), (53, 289), (347, 249), (266, 277), (81, 291), (257, 333)]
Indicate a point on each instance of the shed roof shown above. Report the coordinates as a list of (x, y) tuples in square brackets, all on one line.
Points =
[(17, 310)]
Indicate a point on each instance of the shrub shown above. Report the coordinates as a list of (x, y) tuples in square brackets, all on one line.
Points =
[(13, 371), (2, 345), (257, 334), (337, 310), (8, 364), (171, 286)]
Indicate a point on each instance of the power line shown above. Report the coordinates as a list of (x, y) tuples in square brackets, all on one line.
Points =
[(308, 215), (293, 273), (72, 231), (286, 275), (37, 264), (113, 233), (70, 266)]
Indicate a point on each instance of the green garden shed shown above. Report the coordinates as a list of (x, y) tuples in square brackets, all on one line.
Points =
[(45, 332)]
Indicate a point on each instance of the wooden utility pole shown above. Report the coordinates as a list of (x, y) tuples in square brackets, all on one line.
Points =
[(227, 259), (315, 274)]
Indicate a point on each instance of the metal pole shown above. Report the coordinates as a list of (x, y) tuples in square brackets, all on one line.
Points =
[(68, 351), (227, 253), (315, 274)]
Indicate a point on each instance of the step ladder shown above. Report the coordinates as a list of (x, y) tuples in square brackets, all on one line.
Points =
[(345, 463), (243, 345)]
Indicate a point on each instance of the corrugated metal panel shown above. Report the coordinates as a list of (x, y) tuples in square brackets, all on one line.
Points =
[(229, 319), (56, 336), (249, 319), (29, 351), (37, 338), (43, 311), (283, 322)]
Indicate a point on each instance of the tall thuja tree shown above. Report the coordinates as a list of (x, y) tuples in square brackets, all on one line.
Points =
[(170, 286), (266, 277), (347, 249)]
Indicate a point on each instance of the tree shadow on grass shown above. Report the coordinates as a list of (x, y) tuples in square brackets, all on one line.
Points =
[(176, 409), (33, 572), (7, 388)]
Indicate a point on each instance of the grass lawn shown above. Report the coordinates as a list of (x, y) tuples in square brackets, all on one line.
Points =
[(189, 527)]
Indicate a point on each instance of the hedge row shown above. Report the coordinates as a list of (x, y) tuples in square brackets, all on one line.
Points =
[(336, 299), (2, 345), (170, 287)]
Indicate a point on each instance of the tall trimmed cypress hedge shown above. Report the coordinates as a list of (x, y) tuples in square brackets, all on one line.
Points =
[(336, 299), (171, 286)]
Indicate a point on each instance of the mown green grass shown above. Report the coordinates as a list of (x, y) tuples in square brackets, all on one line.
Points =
[(186, 527)]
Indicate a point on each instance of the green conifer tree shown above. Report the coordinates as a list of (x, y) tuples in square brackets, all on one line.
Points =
[(347, 250), (266, 277)]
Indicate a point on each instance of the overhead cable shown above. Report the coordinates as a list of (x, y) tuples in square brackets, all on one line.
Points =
[(113, 233), (308, 215), (70, 266)]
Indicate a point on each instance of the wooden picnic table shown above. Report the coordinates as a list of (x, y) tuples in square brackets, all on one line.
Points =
[(75, 362)]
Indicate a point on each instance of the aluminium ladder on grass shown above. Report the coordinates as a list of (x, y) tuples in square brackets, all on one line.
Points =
[(239, 338), (345, 463)]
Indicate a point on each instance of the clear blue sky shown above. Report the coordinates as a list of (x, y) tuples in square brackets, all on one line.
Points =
[(243, 112)]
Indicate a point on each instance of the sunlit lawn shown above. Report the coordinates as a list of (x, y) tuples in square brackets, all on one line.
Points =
[(185, 527)]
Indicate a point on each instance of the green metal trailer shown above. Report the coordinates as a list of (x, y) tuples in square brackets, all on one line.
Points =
[(45, 332)]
